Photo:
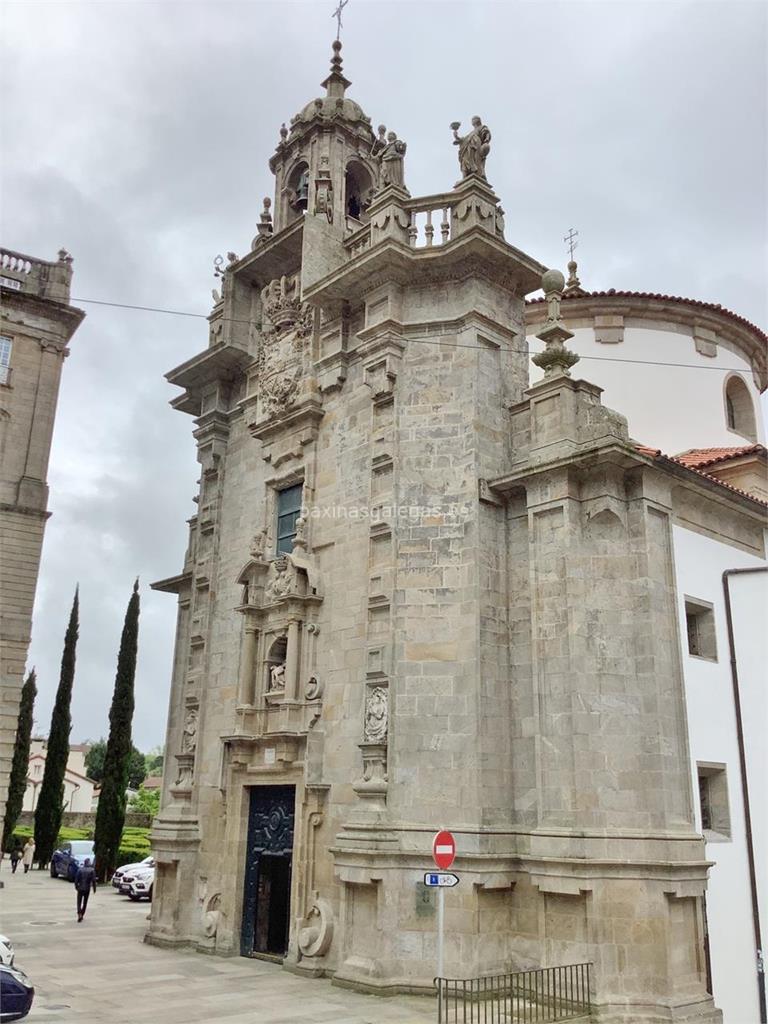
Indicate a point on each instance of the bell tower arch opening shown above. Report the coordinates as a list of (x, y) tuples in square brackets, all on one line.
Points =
[(358, 189)]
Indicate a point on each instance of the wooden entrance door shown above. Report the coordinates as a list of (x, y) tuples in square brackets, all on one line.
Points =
[(267, 883)]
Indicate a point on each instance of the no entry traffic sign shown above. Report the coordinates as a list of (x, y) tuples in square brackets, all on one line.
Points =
[(443, 850)]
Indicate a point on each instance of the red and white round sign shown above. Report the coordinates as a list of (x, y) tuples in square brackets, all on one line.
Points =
[(443, 850)]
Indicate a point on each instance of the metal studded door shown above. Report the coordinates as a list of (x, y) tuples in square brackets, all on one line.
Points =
[(267, 883)]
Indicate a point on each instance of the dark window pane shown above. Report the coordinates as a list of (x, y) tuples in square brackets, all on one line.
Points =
[(288, 510)]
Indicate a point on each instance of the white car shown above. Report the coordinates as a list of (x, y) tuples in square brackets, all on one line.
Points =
[(7, 952), (141, 884), (117, 878)]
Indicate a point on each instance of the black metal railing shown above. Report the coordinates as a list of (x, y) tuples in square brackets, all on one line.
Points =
[(525, 997)]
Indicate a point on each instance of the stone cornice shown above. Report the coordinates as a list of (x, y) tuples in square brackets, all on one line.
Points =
[(70, 317), (476, 252)]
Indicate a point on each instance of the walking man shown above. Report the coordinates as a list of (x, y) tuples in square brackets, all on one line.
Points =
[(28, 857), (85, 880), (15, 855)]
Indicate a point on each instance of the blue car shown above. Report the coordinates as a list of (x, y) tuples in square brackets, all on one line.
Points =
[(69, 857), (16, 993)]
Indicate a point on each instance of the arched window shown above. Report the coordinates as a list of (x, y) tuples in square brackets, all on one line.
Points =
[(298, 188), (739, 410), (358, 185)]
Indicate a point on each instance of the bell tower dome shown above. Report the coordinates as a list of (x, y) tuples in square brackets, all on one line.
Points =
[(323, 164)]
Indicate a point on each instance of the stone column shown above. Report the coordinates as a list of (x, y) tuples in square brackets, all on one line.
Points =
[(292, 660), (245, 686)]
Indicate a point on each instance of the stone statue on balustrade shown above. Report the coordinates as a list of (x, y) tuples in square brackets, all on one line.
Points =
[(390, 155), (474, 147)]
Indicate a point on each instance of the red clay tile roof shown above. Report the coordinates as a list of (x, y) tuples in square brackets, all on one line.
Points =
[(613, 293), (698, 458), (656, 453)]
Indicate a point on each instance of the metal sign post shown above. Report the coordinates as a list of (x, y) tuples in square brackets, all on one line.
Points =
[(443, 853)]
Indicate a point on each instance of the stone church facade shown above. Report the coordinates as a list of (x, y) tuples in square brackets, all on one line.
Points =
[(420, 593)]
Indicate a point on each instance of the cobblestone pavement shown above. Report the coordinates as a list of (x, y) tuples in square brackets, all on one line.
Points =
[(100, 971)]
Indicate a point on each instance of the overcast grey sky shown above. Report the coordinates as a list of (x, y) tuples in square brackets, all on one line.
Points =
[(137, 136)]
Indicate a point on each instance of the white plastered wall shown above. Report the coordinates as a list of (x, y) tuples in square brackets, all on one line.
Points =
[(700, 563), (671, 407)]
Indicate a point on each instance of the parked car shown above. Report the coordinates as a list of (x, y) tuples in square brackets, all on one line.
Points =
[(16, 993), (6, 951), (117, 878), (69, 857), (141, 885)]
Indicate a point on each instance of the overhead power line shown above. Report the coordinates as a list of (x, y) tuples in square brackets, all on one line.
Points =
[(420, 341)]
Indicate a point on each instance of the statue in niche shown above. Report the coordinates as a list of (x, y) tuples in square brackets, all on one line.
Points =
[(391, 160), (376, 708), (189, 733), (276, 677), (474, 147)]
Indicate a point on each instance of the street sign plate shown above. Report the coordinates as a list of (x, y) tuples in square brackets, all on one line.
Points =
[(443, 850), (441, 879)]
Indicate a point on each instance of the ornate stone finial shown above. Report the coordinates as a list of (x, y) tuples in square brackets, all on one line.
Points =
[(474, 147), (556, 359), (300, 537), (264, 228), (573, 285), (573, 281), (258, 545), (336, 84), (64, 256)]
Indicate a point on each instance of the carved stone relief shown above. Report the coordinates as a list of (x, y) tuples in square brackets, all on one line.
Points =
[(189, 734), (376, 715)]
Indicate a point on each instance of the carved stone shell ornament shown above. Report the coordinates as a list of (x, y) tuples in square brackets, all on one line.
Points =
[(316, 936)]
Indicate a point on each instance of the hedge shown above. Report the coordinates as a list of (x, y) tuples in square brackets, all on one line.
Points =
[(134, 845)]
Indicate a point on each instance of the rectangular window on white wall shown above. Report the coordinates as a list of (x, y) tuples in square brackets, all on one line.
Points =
[(713, 800), (700, 629), (6, 345)]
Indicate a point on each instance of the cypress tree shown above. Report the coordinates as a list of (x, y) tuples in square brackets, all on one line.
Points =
[(50, 804), (110, 814), (17, 783)]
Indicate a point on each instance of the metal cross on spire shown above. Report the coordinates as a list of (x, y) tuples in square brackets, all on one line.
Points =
[(337, 15), (570, 239)]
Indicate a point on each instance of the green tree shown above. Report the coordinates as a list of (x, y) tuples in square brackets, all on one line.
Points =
[(96, 756), (17, 783), (51, 800), (146, 801), (137, 768), (154, 761), (94, 760), (110, 814)]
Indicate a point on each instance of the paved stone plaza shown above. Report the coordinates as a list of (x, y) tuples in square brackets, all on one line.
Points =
[(101, 972)]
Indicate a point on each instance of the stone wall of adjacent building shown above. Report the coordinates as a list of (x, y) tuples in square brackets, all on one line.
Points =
[(38, 321)]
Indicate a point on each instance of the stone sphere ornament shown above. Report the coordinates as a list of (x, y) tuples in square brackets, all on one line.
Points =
[(552, 281)]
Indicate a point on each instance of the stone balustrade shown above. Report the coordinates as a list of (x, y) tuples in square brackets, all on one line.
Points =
[(31, 276), (426, 222), (428, 216)]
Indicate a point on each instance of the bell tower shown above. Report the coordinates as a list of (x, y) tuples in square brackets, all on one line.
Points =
[(323, 164)]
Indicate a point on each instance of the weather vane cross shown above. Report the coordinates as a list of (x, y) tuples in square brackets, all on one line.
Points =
[(337, 15), (570, 239)]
